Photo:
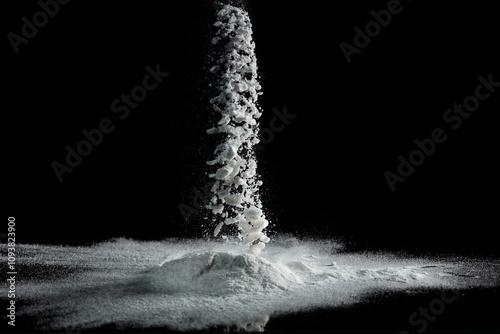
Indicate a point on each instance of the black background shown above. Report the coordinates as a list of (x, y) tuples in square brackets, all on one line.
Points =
[(323, 173)]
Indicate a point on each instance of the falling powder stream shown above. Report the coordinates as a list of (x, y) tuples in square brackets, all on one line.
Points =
[(235, 191)]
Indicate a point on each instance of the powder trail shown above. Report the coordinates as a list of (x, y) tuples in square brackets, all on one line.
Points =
[(235, 191)]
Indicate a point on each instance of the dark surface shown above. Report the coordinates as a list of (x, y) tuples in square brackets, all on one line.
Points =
[(390, 312), (323, 174)]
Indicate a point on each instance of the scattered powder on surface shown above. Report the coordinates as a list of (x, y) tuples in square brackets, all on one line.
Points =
[(196, 285)]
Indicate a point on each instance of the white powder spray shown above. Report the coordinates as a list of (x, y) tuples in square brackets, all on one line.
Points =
[(236, 199)]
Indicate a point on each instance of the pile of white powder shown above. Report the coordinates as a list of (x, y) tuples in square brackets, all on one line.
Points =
[(225, 271), (219, 274)]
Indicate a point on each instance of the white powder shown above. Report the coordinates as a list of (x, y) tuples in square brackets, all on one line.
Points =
[(235, 199), (219, 273), (225, 273), (195, 285)]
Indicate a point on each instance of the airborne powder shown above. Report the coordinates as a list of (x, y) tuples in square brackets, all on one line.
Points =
[(235, 197)]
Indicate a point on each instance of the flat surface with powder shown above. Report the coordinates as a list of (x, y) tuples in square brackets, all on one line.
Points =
[(198, 285)]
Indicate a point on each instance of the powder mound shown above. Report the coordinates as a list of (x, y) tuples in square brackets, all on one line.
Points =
[(219, 273)]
